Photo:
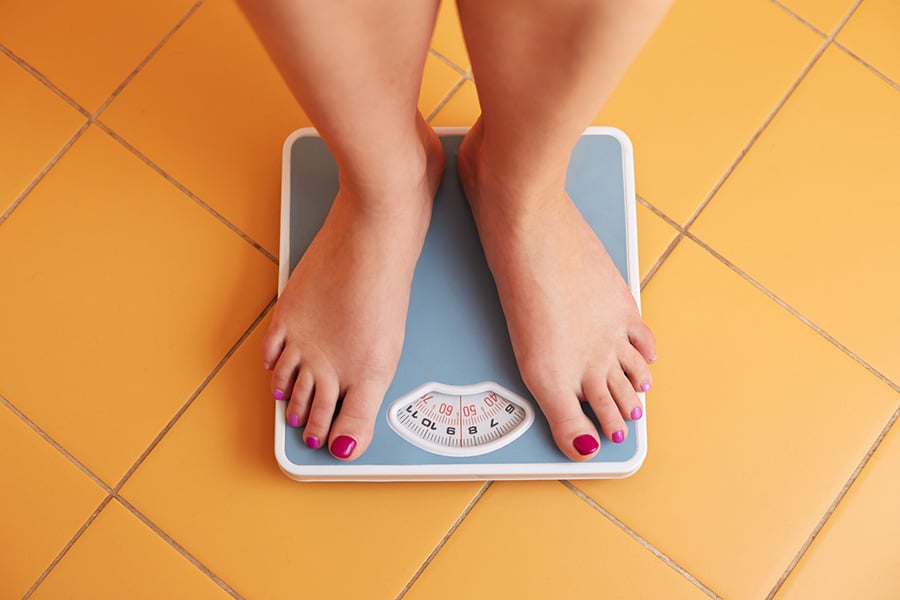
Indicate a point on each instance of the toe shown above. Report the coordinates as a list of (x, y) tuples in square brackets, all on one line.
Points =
[(284, 373), (301, 398), (573, 432), (272, 347), (636, 369), (626, 399), (642, 339), (353, 428), (598, 394), (321, 411)]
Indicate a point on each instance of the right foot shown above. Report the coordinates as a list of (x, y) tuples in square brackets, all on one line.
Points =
[(338, 327)]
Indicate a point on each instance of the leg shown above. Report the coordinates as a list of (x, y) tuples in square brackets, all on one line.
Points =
[(543, 70), (337, 330)]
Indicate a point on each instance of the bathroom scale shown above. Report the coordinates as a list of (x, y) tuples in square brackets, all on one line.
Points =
[(457, 408)]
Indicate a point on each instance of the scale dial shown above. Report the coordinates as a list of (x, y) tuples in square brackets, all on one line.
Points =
[(460, 420)]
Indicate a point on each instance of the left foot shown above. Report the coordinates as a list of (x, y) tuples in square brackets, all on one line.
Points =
[(574, 325)]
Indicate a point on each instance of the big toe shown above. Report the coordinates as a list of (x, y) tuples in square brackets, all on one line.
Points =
[(354, 426), (573, 432)]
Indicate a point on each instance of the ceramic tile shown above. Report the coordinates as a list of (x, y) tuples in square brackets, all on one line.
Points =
[(120, 557), (439, 78), (823, 14), (461, 110), (517, 526), (214, 486), (45, 500), (700, 89), (448, 38), (812, 212), (212, 111), (755, 424), (871, 33), (36, 124), (120, 296), (654, 236), (87, 48), (857, 553)]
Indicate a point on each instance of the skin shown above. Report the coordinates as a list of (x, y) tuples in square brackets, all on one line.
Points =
[(543, 71)]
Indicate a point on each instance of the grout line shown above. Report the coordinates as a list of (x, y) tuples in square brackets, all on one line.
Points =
[(55, 444), (669, 249), (875, 71), (831, 509), (443, 102), (193, 397), (66, 548), (43, 79), (815, 29), (179, 548), (147, 58), (185, 190), (43, 173), (447, 61), (639, 539), (444, 540), (794, 312), (745, 150)]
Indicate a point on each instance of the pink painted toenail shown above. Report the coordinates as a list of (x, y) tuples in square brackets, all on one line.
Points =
[(293, 420), (645, 387), (278, 395), (343, 446), (267, 366), (586, 444), (312, 442), (653, 358), (619, 437), (637, 413)]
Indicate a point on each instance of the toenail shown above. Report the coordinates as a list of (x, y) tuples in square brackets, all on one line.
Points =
[(586, 444), (653, 358), (619, 437), (636, 413), (267, 366), (278, 395), (293, 420), (312, 442), (343, 446), (645, 387)]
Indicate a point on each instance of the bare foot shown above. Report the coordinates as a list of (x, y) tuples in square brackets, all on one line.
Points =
[(574, 326), (338, 327)]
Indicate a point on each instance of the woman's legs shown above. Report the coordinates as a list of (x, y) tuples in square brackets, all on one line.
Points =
[(337, 330), (543, 69)]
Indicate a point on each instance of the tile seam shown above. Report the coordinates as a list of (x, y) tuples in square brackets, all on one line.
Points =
[(834, 505), (190, 401), (865, 64), (641, 540), (440, 545), (669, 249), (794, 312), (44, 80), (185, 190), (62, 553), (43, 172), (443, 101), (768, 120), (56, 445), (179, 548), (447, 61), (143, 63), (797, 16)]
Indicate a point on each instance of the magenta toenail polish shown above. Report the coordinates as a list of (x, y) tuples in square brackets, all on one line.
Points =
[(293, 420), (343, 446), (619, 437), (312, 442), (636, 413), (653, 358), (586, 444), (278, 395), (645, 387), (267, 366)]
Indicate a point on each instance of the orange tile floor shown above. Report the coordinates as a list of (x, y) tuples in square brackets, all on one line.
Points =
[(139, 191)]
